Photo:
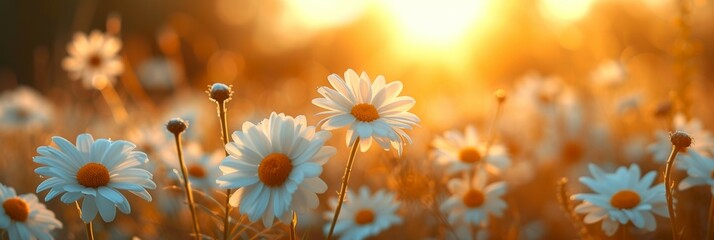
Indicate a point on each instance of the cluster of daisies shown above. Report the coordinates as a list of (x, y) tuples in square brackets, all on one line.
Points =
[(272, 168)]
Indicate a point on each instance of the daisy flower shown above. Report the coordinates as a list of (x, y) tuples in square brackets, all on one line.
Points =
[(369, 110), (24, 108), (202, 167), (93, 58), (24, 217), (700, 170), (704, 143), (276, 166), (473, 204), (94, 171), (622, 197), (461, 151), (365, 215)]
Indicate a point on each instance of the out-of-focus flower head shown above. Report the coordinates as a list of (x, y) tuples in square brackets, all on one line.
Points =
[(158, 74), (462, 152), (369, 110), (700, 170), (276, 166), (25, 109), (622, 197), (93, 59), (365, 215), (703, 141), (472, 201), (202, 167), (24, 217), (94, 171)]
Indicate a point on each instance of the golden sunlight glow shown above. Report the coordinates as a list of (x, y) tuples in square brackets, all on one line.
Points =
[(318, 14), (430, 22), (565, 10)]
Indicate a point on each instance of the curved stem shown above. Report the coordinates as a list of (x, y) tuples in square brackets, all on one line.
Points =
[(187, 186), (668, 185), (343, 188), (224, 136), (293, 227)]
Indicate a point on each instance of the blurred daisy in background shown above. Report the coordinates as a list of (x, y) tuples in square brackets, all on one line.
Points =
[(700, 170), (472, 203), (24, 217), (94, 171), (621, 198), (365, 215), (276, 166), (93, 58), (24, 109), (462, 152), (369, 110), (702, 140), (202, 167)]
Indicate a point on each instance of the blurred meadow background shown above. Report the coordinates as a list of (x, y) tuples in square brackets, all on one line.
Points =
[(585, 82)]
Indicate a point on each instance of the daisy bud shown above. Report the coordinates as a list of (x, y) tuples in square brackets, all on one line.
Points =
[(681, 139), (500, 95), (176, 126), (220, 92)]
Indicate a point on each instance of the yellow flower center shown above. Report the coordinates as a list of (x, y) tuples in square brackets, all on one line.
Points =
[(469, 155), (625, 199), (95, 61), (473, 198), (365, 112), (197, 171), (274, 169), (364, 216), (93, 175), (16, 209)]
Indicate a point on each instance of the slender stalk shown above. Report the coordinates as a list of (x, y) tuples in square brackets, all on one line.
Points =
[(187, 187), (343, 188), (90, 231), (709, 218), (224, 133), (668, 190), (492, 128), (90, 226), (293, 227), (221, 93), (500, 98), (114, 101)]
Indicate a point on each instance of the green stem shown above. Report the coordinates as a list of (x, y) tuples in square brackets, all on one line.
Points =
[(187, 186), (224, 135), (668, 190), (343, 188), (293, 227)]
